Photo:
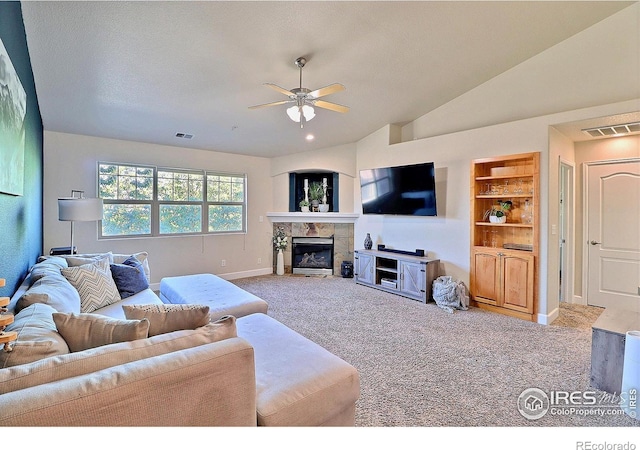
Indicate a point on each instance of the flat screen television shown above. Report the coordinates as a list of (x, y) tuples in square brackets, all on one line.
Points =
[(401, 190)]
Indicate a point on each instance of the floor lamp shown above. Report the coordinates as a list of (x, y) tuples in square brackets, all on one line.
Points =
[(77, 208)]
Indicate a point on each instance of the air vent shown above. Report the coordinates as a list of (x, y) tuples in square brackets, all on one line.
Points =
[(184, 135), (614, 130)]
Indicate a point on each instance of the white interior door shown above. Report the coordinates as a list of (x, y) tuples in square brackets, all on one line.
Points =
[(613, 234)]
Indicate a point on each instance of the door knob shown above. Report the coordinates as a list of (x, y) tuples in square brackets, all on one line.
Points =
[(595, 243)]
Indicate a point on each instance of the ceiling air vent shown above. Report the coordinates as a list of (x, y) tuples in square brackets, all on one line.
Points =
[(614, 130), (184, 135)]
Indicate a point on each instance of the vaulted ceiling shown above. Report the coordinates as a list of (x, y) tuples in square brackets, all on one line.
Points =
[(145, 71)]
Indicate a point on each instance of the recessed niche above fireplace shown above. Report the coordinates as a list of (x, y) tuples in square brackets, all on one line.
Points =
[(296, 188)]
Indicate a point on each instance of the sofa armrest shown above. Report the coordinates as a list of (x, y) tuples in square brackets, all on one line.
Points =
[(209, 385)]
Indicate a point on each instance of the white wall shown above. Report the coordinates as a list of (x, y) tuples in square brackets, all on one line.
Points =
[(70, 162), (340, 159), (560, 148)]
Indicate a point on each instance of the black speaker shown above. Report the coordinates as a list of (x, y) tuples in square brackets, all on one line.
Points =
[(63, 251), (346, 269)]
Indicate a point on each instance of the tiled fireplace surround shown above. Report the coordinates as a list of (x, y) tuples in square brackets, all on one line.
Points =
[(342, 240)]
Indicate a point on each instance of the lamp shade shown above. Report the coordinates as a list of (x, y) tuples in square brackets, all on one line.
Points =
[(294, 113), (79, 209)]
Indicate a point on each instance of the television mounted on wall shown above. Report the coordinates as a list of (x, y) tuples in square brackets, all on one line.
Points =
[(408, 190)]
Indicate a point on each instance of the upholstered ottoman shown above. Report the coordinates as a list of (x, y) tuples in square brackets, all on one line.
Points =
[(299, 383), (221, 296)]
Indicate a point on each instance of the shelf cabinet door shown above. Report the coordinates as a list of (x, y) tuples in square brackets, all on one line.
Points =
[(517, 281), (485, 276), (364, 268), (412, 280)]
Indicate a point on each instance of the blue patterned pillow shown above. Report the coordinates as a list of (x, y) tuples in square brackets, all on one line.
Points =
[(129, 277)]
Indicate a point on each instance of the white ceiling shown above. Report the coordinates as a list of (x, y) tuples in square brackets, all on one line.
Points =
[(144, 71)]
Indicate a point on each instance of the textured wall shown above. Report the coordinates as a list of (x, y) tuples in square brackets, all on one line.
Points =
[(21, 216)]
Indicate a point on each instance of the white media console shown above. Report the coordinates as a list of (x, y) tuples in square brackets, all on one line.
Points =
[(396, 272)]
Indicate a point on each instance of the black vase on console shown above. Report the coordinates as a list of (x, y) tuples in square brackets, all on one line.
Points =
[(368, 243)]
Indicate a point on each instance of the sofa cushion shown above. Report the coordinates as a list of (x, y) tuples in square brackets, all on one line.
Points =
[(37, 336), (168, 318), (49, 266), (83, 331), (146, 297), (94, 283), (129, 277), (99, 358), (53, 290), (299, 383)]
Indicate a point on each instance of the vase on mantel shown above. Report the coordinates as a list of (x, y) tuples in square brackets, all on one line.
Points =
[(280, 263), (368, 243)]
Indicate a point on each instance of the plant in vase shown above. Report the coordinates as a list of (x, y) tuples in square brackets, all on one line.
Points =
[(304, 206), (280, 243), (498, 212), (315, 194)]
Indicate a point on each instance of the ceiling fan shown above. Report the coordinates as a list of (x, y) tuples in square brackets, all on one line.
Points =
[(304, 99)]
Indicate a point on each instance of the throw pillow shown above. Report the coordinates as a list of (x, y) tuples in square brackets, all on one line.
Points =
[(83, 331), (37, 337), (94, 283), (81, 260), (168, 318), (129, 277), (143, 257)]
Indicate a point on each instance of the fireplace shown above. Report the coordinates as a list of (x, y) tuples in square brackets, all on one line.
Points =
[(312, 255)]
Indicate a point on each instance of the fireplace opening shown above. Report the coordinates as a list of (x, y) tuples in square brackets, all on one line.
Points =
[(312, 255)]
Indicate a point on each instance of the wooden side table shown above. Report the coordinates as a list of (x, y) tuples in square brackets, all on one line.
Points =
[(6, 337)]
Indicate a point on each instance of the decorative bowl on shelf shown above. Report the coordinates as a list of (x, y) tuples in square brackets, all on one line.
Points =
[(496, 219)]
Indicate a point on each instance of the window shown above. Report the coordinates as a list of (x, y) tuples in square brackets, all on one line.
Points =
[(149, 201)]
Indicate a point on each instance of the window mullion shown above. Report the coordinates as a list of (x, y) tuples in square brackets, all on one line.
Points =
[(155, 206)]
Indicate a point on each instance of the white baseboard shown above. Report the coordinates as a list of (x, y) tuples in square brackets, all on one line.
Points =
[(546, 319), (246, 274)]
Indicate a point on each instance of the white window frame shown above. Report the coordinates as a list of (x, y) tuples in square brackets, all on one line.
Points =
[(155, 203)]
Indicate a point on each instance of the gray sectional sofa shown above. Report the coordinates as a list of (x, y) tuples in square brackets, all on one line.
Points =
[(103, 368)]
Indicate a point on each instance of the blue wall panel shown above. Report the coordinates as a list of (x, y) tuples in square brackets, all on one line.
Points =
[(21, 216)]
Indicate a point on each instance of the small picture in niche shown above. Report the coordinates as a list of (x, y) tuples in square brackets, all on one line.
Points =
[(13, 108)]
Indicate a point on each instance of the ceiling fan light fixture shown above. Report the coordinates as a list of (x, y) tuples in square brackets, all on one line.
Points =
[(294, 113)]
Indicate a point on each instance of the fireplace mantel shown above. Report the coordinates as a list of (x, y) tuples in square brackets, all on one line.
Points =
[(328, 217)]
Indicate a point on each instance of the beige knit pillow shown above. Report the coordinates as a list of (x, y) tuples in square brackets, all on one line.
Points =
[(83, 331), (168, 318)]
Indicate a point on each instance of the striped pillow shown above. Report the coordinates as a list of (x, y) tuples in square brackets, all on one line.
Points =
[(94, 283)]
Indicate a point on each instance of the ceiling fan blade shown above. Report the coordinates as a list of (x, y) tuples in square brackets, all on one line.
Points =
[(279, 89), (335, 87), (271, 104), (331, 106)]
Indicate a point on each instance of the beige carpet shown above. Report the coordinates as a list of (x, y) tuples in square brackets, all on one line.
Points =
[(421, 366), (577, 316)]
